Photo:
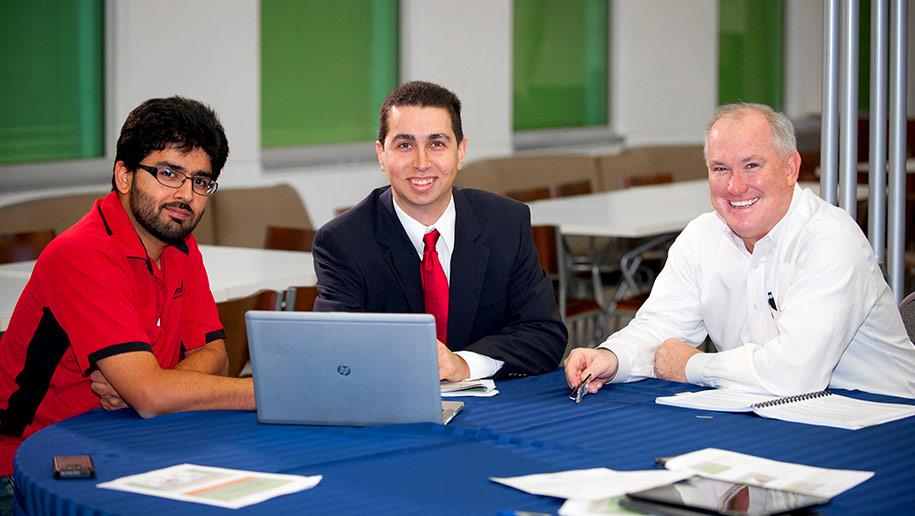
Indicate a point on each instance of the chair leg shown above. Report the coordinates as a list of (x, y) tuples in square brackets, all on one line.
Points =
[(288, 303)]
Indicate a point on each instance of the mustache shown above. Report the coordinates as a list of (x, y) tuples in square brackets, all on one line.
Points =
[(179, 205)]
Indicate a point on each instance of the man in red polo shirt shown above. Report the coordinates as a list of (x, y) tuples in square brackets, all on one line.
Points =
[(118, 311)]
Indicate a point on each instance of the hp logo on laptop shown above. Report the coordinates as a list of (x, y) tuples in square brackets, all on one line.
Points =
[(343, 370)]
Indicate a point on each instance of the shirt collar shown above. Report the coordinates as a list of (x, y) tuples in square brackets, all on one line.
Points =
[(416, 229)]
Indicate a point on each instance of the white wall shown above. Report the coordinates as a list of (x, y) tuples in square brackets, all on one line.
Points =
[(664, 78), (207, 50), (803, 58), (467, 49)]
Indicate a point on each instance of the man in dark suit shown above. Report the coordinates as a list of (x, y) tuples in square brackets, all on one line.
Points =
[(421, 245)]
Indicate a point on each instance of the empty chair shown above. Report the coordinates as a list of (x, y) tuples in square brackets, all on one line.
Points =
[(232, 316), (20, 247), (243, 214), (907, 309), (584, 318)]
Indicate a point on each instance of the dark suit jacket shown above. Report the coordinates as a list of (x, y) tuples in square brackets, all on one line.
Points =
[(501, 301)]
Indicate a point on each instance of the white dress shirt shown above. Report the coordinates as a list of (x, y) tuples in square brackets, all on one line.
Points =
[(835, 321), (481, 366)]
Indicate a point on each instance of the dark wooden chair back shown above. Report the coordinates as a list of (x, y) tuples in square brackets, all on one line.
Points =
[(289, 239), (529, 194), (232, 316), (21, 247), (651, 179), (545, 238), (550, 191)]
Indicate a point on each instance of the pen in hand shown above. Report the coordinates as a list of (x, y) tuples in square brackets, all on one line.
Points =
[(577, 393)]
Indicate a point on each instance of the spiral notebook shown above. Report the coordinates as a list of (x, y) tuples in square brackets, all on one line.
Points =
[(822, 408)]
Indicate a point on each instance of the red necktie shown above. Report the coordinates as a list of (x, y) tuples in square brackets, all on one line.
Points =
[(435, 285)]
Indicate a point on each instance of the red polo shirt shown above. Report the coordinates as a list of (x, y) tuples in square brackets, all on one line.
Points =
[(95, 293)]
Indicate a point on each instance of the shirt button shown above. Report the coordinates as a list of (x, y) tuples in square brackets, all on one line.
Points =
[(755, 306)]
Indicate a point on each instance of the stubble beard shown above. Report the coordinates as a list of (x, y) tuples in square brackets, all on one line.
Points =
[(149, 217)]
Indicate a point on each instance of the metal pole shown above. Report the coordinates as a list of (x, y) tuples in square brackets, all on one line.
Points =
[(897, 137), (876, 215), (829, 121), (848, 148)]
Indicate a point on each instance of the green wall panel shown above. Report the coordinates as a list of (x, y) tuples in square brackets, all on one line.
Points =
[(325, 68)]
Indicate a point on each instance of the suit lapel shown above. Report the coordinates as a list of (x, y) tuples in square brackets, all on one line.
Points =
[(468, 269), (398, 251)]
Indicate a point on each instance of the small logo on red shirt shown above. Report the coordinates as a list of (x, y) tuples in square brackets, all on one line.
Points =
[(179, 290)]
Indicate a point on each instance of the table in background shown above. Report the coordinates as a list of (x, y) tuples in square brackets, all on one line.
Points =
[(637, 212), (531, 427), (646, 217), (234, 272)]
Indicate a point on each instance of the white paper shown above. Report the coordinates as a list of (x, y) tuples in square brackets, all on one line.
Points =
[(838, 412), (747, 469), (721, 400), (229, 488), (831, 410), (591, 484), (478, 388)]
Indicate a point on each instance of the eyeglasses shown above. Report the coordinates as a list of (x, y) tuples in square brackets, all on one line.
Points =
[(202, 185)]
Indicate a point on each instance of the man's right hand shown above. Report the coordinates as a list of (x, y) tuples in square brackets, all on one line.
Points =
[(600, 363), (108, 395), (451, 367)]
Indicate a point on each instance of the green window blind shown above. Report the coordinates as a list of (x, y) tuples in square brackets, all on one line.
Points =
[(750, 52), (326, 67), (51, 76), (559, 63)]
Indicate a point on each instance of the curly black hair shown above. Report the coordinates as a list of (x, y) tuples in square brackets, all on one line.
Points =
[(177, 122)]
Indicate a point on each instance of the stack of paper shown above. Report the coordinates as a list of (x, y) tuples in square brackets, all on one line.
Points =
[(598, 490), (591, 484), (481, 388), (756, 471)]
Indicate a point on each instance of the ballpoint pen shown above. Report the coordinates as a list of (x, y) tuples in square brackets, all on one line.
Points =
[(774, 308)]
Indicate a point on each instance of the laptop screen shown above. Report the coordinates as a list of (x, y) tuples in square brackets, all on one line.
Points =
[(354, 369)]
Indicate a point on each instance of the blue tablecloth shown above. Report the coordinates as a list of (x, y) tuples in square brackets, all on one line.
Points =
[(531, 427)]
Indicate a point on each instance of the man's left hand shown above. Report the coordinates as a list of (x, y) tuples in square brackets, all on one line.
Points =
[(451, 367), (670, 360)]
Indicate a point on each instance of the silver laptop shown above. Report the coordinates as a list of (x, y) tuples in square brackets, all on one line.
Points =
[(353, 369)]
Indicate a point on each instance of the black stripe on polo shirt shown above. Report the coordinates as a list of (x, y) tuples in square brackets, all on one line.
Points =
[(104, 221), (182, 246), (45, 350), (116, 349), (215, 335)]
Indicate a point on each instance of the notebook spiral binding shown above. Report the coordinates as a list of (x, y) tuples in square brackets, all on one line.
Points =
[(792, 399)]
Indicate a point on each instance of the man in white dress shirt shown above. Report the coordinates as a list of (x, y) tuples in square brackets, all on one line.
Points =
[(784, 284)]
